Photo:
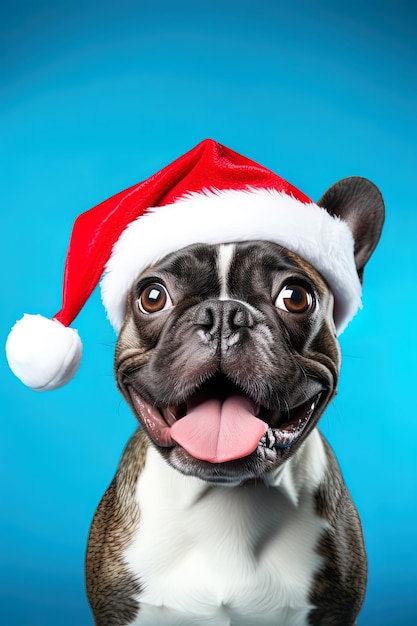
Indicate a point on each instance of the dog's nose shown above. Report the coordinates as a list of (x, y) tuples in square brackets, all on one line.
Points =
[(237, 315), (223, 317)]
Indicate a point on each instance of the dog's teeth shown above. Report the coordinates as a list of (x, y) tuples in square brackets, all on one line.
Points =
[(268, 439), (313, 406), (271, 438)]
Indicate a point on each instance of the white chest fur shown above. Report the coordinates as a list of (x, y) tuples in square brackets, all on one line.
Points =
[(221, 556)]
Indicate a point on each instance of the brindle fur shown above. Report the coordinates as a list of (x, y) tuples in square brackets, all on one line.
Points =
[(110, 587), (340, 585)]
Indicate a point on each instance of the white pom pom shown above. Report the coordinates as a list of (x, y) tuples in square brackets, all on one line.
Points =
[(43, 353)]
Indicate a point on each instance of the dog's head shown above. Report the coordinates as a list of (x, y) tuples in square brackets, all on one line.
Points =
[(228, 354), (227, 349)]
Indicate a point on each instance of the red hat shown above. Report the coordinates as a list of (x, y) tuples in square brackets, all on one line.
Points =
[(210, 195)]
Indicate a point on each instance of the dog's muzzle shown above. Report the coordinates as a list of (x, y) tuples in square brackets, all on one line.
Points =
[(220, 415), (217, 431)]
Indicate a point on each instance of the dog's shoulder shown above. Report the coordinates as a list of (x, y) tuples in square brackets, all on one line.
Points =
[(340, 585), (111, 587)]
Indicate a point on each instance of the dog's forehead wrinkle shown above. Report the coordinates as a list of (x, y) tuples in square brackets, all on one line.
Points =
[(253, 269), (187, 270), (249, 268), (311, 272), (187, 257)]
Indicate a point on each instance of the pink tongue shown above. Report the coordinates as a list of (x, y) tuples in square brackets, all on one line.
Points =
[(217, 432)]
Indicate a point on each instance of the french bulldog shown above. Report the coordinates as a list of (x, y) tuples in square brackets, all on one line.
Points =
[(228, 507)]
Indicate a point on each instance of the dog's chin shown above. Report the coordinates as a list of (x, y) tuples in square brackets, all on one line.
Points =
[(254, 467), (255, 441)]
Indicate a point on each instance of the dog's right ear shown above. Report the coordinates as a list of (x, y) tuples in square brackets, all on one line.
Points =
[(359, 203)]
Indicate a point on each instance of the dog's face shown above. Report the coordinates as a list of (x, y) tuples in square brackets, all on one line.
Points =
[(228, 357)]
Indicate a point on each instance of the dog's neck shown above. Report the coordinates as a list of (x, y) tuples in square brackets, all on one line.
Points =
[(303, 471)]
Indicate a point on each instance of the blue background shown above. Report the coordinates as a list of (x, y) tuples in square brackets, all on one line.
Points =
[(95, 98)]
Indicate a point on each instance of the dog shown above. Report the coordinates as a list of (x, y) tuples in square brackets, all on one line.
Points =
[(228, 289), (228, 507)]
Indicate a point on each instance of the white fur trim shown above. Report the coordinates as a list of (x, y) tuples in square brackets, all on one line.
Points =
[(216, 217), (43, 353)]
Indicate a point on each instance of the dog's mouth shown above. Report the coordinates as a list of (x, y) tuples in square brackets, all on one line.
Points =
[(219, 422)]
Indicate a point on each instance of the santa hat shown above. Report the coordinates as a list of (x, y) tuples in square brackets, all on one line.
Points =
[(209, 195)]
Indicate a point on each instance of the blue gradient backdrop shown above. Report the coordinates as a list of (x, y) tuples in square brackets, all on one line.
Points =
[(95, 97)]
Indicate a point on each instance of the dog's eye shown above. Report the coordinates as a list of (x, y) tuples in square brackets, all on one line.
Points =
[(294, 299), (154, 298)]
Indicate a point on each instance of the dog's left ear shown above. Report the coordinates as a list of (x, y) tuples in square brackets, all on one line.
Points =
[(359, 203)]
